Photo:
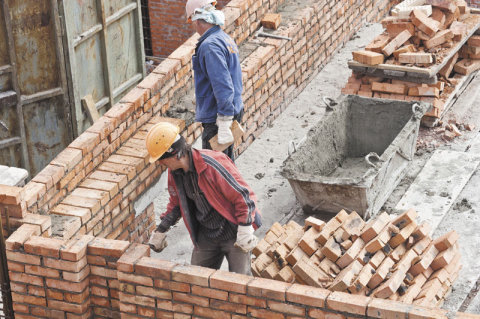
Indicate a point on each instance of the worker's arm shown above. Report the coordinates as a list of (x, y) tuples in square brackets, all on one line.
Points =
[(172, 215), (220, 78), (230, 184)]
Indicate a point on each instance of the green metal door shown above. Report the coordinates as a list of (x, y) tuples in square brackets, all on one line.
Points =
[(105, 52), (35, 122)]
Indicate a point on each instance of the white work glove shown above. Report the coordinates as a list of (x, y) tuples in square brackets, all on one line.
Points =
[(246, 240), (158, 241), (224, 133)]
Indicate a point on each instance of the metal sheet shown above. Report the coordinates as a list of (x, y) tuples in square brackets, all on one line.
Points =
[(46, 116), (34, 36), (32, 85)]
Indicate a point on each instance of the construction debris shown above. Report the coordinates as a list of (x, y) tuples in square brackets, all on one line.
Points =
[(386, 258)]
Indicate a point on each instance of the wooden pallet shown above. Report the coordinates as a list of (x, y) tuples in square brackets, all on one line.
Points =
[(431, 121), (414, 73)]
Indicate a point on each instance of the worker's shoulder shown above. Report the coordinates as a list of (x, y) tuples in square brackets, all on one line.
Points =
[(213, 158)]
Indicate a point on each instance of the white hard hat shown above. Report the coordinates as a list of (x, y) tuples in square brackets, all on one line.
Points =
[(192, 5)]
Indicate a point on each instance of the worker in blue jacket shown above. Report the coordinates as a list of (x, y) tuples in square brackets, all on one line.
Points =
[(217, 73)]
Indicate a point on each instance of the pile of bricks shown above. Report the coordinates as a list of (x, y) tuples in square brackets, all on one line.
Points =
[(421, 41), (386, 258)]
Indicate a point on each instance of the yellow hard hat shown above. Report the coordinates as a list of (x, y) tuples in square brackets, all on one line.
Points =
[(160, 138)]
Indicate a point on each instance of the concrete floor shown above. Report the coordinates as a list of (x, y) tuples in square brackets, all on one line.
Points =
[(261, 163)]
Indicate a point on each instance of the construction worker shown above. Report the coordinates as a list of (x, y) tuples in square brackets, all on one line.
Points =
[(218, 207), (217, 74)]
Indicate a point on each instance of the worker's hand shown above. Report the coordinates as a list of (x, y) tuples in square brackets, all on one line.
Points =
[(224, 133), (158, 241), (246, 240)]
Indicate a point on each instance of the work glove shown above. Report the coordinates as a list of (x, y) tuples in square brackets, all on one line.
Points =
[(246, 240), (158, 241), (224, 123)]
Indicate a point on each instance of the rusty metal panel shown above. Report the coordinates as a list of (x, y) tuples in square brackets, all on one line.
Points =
[(33, 91), (34, 37), (106, 58)]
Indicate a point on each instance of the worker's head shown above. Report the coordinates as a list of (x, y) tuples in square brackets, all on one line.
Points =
[(165, 145), (203, 14)]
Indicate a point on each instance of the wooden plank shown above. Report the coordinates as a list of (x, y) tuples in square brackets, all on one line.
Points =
[(446, 172), (415, 58), (424, 72)]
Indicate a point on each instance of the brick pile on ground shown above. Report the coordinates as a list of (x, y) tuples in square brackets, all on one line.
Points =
[(421, 41), (386, 258)]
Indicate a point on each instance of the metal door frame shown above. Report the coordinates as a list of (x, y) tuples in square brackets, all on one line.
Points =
[(28, 99), (101, 27)]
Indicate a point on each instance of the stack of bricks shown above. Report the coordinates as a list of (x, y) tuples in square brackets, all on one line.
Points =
[(103, 278), (420, 41), (386, 258)]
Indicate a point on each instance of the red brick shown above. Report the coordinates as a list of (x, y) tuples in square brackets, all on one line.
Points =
[(66, 285), (353, 304), (187, 298), (380, 308), (131, 256), (153, 267), (86, 142), (307, 295), (21, 235), (141, 280), (107, 247), (194, 275), (72, 266), (93, 205), (22, 258), (263, 313), (11, 195), (83, 213), (272, 289), (229, 281), (42, 271), (120, 112), (49, 247)]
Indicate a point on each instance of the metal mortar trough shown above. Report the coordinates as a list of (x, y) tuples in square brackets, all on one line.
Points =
[(355, 156)]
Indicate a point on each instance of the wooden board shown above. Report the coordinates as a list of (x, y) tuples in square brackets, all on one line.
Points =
[(417, 72), (431, 121)]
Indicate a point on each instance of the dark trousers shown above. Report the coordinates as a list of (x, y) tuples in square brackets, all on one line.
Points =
[(211, 129), (209, 253)]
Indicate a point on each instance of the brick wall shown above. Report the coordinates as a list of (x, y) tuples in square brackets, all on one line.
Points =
[(90, 187), (168, 26), (103, 278)]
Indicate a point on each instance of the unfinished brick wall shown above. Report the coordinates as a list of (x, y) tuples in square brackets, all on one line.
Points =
[(101, 278), (168, 26), (90, 187)]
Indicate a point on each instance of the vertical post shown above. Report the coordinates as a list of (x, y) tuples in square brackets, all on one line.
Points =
[(4, 279), (103, 47), (13, 63)]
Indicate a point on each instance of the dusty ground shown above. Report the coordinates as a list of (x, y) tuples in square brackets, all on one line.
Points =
[(260, 164)]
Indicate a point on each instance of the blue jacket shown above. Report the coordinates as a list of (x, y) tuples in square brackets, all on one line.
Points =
[(218, 76)]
